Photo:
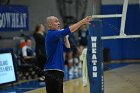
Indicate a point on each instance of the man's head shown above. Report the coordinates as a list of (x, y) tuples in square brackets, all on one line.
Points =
[(28, 42), (53, 23)]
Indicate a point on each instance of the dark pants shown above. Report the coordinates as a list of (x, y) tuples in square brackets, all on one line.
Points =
[(54, 81), (40, 63)]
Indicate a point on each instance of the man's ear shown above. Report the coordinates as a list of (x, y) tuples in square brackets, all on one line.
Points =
[(49, 24)]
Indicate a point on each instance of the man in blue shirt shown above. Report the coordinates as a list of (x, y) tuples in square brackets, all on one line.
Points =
[(56, 43)]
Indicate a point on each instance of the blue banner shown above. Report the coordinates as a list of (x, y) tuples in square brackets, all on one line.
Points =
[(95, 57), (14, 18)]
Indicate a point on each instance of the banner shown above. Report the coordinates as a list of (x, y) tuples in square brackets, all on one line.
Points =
[(13, 18), (95, 57)]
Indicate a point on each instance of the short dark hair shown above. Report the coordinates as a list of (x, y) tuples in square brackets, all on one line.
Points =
[(27, 38)]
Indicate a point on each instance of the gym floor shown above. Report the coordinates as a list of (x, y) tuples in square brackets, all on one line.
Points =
[(118, 78)]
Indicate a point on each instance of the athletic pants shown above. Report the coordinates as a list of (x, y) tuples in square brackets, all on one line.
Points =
[(54, 81)]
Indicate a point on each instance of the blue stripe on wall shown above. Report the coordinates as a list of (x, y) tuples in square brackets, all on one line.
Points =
[(122, 48), (133, 20)]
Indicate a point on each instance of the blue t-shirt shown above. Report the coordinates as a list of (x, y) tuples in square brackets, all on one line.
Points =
[(55, 48)]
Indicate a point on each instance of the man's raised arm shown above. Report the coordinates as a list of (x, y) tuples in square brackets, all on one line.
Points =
[(75, 26)]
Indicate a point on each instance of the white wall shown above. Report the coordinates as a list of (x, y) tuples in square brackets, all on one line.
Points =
[(93, 7), (38, 10)]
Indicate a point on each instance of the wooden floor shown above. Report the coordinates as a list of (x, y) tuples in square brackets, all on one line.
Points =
[(73, 86), (121, 80)]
